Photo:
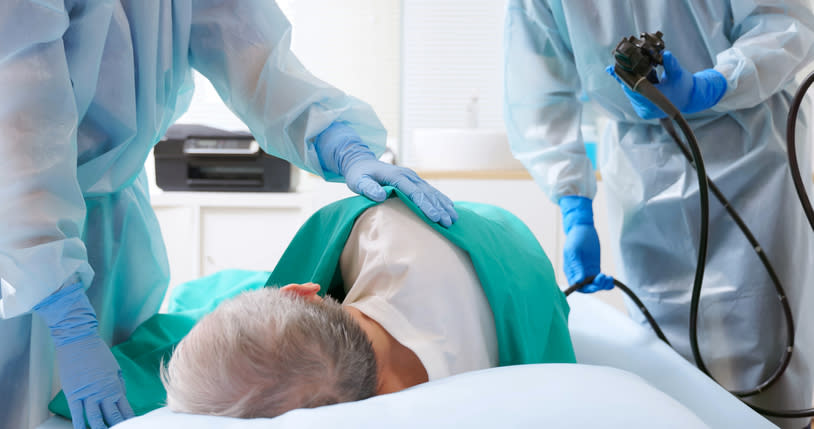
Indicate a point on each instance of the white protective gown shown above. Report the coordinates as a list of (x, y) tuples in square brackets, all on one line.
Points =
[(88, 87), (556, 55)]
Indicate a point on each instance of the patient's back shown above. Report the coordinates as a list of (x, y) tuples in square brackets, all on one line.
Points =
[(419, 287)]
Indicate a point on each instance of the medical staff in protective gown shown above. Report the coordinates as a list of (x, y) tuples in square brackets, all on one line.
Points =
[(731, 70), (87, 88)]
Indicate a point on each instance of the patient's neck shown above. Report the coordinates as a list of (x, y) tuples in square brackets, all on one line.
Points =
[(399, 367)]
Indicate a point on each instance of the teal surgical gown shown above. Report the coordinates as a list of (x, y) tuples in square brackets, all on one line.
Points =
[(556, 55), (86, 89)]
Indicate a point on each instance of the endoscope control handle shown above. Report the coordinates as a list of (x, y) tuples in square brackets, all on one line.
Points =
[(639, 57)]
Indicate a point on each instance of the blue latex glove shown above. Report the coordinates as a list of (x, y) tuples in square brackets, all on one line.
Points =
[(690, 93), (91, 377), (581, 250), (341, 151)]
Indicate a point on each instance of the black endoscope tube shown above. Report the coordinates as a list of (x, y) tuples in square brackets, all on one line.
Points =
[(647, 90), (640, 56), (791, 125), (654, 95), (781, 293), (650, 319)]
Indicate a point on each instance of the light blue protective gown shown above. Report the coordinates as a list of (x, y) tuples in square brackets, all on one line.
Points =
[(556, 55), (86, 89)]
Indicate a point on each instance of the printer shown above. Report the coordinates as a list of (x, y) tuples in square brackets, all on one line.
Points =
[(201, 158)]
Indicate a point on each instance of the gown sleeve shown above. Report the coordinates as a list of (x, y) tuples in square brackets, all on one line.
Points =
[(243, 48), (773, 41), (541, 108), (42, 208)]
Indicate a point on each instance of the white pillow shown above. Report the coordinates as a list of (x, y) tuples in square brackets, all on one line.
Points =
[(533, 396)]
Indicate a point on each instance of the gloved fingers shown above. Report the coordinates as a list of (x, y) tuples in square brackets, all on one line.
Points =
[(435, 205), (410, 186), (434, 197), (589, 288), (442, 205), (122, 402), (111, 412), (643, 107), (370, 189), (447, 205), (94, 415), (424, 202), (125, 408), (612, 72), (432, 206), (599, 282), (445, 219), (603, 281), (77, 414), (671, 65), (575, 273)]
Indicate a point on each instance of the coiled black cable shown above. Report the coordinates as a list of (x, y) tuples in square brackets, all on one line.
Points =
[(781, 293), (798, 181), (632, 296), (694, 157), (647, 89), (791, 148)]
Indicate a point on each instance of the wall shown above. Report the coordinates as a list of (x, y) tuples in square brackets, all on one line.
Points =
[(351, 44), (453, 51)]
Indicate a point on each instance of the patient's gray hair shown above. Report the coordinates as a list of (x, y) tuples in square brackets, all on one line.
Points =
[(266, 352)]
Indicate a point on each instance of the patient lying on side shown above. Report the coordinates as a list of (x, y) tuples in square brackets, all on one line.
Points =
[(414, 311)]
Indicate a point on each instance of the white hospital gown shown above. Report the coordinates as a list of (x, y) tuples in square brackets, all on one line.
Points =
[(421, 288)]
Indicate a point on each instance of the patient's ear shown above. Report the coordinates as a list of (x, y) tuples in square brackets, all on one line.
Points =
[(307, 291)]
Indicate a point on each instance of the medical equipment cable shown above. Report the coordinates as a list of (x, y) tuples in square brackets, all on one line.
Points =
[(794, 168), (781, 293), (791, 125), (630, 295), (639, 76), (643, 85), (785, 360)]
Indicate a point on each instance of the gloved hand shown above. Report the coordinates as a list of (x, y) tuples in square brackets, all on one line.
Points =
[(690, 93), (91, 377), (581, 250), (341, 151)]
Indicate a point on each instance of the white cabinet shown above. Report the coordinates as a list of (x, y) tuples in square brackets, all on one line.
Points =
[(206, 232), (251, 238), (180, 230)]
